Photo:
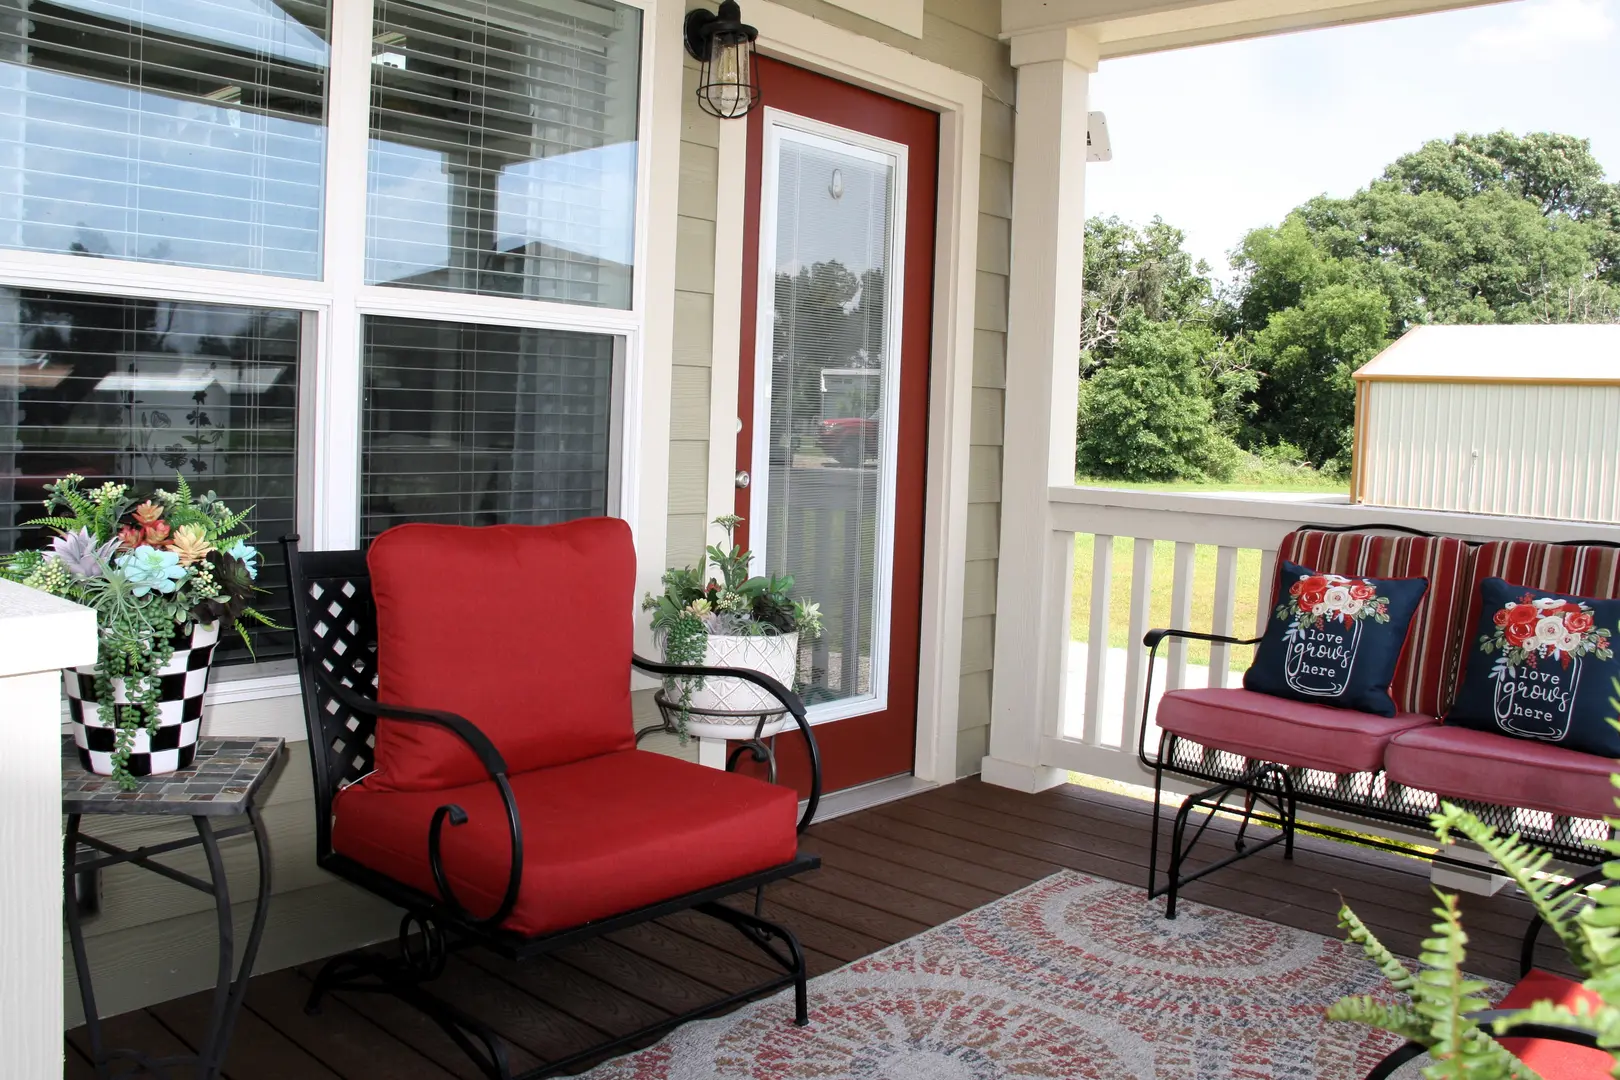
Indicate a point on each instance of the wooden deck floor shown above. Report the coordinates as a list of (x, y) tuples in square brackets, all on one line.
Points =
[(888, 873)]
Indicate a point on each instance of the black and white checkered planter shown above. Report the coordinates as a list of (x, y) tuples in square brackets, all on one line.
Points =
[(184, 680)]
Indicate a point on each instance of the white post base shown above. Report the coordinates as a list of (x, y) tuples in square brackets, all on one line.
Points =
[(712, 753), (1025, 778)]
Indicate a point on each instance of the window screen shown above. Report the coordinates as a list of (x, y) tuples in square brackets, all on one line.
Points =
[(171, 131), (484, 425), (135, 391), (503, 148)]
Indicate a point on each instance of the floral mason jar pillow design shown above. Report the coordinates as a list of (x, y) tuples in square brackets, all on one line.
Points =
[(1335, 639), (1541, 667)]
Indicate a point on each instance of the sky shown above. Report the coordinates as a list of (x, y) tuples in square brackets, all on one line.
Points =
[(1224, 138)]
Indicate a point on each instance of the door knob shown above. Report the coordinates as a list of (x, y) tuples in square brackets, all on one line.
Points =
[(743, 479)]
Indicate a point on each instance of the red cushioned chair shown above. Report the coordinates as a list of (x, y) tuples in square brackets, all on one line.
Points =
[(467, 693)]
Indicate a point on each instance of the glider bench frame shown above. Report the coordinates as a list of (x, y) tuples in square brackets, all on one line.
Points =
[(335, 621), (1268, 784)]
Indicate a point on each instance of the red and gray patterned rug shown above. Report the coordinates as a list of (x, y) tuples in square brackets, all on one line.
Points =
[(1072, 977)]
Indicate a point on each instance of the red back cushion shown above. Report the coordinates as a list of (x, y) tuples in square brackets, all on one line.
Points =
[(523, 629), (1423, 678)]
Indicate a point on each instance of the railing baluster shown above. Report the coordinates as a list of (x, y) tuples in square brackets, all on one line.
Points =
[(1135, 655), (1268, 571), (1221, 621), (1180, 613), (1102, 594)]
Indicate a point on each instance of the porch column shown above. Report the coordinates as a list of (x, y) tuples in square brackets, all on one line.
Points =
[(1043, 355), (39, 635)]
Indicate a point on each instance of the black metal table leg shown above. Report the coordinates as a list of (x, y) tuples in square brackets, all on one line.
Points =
[(228, 990)]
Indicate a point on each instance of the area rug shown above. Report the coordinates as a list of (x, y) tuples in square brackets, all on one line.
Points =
[(1073, 976)]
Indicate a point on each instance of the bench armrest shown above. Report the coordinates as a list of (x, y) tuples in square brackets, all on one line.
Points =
[(791, 703), (488, 755), (1152, 640)]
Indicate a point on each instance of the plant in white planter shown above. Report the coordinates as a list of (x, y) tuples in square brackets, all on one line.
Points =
[(740, 620), (162, 573)]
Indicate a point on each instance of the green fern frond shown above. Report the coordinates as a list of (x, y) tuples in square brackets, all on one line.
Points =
[(182, 489), (1397, 1019), (63, 524), (1442, 993), (1387, 962), (1523, 864)]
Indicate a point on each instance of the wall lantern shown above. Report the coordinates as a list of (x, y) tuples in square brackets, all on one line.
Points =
[(728, 84)]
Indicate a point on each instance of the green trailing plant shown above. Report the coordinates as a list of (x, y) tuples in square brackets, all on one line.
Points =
[(1440, 996), (150, 568), (737, 603)]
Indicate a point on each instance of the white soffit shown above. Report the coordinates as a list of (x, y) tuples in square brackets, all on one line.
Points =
[(905, 16)]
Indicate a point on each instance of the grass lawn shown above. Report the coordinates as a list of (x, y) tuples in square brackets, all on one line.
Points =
[(1203, 605)]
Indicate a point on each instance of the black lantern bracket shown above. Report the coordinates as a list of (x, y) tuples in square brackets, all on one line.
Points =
[(704, 28)]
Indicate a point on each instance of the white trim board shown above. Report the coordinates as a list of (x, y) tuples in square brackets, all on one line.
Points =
[(958, 98)]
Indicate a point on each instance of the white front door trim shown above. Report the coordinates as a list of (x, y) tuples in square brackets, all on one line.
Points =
[(842, 54)]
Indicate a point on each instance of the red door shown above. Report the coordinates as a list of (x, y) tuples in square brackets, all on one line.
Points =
[(833, 396)]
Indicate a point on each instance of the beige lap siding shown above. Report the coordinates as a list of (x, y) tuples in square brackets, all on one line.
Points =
[(960, 34)]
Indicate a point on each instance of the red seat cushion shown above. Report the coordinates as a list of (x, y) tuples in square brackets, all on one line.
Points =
[(524, 630), (1491, 768), (1422, 678), (600, 837), (1551, 1059), (1284, 731)]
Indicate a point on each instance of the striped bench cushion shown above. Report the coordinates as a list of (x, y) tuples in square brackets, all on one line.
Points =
[(1425, 676), (1577, 569)]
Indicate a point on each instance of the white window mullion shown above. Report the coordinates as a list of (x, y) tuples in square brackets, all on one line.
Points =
[(335, 481)]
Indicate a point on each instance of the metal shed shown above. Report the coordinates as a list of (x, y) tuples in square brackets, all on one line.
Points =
[(1517, 420)]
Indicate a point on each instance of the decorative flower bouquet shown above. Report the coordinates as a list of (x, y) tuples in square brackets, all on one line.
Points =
[(151, 569), (696, 621), (1319, 598), (1545, 627)]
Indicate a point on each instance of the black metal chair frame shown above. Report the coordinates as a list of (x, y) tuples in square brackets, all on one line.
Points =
[(1527, 951), (335, 623), (1272, 793)]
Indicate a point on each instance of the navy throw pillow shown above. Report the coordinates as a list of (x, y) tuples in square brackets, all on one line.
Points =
[(1541, 666), (1336, 640)]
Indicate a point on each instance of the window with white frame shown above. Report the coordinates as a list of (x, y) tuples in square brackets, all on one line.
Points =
[(178, 293)]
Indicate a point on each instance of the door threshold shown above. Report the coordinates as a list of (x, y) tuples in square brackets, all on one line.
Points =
[(865, 796)]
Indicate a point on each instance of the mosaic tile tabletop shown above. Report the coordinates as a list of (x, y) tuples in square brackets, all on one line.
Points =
[(223, 779)]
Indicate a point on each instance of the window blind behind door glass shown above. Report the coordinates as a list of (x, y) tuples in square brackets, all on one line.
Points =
[(503, 148), (135, 391), (188, 132), (484, 425)]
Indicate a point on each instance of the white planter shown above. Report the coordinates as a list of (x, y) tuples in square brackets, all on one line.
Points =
[(184, 679), (775, 655)]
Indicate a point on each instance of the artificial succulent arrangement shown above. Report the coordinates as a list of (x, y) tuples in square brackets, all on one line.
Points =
[(150, 567)]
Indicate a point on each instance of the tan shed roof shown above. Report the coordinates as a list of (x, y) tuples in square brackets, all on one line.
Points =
[(1557, 353)]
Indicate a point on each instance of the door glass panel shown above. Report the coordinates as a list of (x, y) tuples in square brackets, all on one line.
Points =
[(830, 217)]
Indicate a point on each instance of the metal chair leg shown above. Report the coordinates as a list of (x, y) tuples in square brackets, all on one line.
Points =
[(1153, 836)]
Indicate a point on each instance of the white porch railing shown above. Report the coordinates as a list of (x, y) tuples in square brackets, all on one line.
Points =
[(1099, 690)]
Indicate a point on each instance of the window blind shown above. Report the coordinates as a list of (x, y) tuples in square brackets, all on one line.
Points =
[(188, 132), (135, 391), (503, 148), (484, 425)]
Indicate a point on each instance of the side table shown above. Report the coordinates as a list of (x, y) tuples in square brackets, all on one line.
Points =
[(222, 783)]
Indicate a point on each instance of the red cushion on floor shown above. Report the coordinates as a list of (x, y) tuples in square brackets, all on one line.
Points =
[(1554, 1060), (1284, 731), (600, 836), (1421, 683), (1481, 765), (525, 630)]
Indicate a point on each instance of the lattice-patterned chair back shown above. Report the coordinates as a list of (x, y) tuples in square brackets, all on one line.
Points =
[(336, 625)]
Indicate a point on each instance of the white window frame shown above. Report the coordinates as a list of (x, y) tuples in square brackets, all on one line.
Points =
[(782, 127), (330, 399)]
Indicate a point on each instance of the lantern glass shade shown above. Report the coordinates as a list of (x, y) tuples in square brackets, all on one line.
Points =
[(728, 81)]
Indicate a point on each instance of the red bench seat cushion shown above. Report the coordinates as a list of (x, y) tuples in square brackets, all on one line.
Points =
[(1295, 733), (1551, 1059), (600, 837), (1422, 682), (1486, 767)]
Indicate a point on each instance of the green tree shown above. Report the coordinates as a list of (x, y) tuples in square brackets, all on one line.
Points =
[(1147, 414), (1147, 270)]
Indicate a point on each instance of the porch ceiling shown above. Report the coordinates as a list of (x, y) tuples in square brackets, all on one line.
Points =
[(1127, 27)]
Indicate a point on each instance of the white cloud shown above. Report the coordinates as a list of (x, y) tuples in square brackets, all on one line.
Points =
[(1542, 28)]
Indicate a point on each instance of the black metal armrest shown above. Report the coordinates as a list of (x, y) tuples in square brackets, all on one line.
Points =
[(490, 757), (1581, 882), (1579, 1036), (1152, 640), (791, 703)]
